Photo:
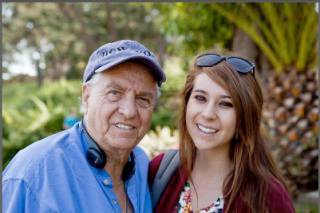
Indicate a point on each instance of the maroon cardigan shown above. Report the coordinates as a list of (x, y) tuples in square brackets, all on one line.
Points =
[(278, 199)]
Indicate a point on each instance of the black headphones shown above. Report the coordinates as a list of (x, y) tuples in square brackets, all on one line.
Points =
[(97, 158)]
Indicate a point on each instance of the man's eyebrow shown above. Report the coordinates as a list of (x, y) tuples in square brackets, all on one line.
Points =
[(117, 86), (146, 94)]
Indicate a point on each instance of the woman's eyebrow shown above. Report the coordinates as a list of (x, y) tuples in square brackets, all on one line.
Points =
[(200, 91), (225, 96), (204, 92)]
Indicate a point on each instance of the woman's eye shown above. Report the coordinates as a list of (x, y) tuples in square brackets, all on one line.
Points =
[(200, 98), (226, 104)]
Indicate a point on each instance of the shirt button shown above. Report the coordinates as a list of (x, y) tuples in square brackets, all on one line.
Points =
[(106, 182), (114, 202)]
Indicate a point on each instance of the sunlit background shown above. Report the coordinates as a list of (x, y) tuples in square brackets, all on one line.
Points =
[(46, 47)]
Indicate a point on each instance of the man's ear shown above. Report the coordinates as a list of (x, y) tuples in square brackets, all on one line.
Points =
[(86, 89)]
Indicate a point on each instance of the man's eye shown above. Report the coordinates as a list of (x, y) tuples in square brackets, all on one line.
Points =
[(144, 102), (113, 95), (200, 98)]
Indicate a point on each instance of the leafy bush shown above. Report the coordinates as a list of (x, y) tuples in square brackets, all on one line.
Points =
[(30, 114)]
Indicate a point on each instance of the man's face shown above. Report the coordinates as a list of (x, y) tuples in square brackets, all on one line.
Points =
[(119, 105)]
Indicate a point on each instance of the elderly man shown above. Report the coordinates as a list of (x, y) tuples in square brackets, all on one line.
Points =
[(96, 165)]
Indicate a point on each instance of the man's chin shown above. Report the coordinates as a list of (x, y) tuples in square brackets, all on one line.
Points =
[(121, 143)]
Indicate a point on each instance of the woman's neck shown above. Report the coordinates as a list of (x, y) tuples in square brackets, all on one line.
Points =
[(211, 164), (207, 177)]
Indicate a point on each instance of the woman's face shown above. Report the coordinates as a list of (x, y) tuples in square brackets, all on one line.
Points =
[(210, 115)]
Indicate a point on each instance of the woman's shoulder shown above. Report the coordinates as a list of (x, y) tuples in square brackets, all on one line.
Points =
[(278, 198), (276, 188), (157, 159), (154, 165), (166, 162), (169, 157)]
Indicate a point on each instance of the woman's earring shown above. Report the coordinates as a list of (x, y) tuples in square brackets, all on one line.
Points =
[(236, 136)]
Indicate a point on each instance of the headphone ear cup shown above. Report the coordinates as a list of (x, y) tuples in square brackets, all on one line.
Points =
[(129, 168), (95, 157)]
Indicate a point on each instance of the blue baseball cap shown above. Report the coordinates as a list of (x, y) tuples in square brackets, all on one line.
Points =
[(112, 54)]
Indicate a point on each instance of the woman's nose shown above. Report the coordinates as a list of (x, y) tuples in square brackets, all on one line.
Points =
[(209, 112)]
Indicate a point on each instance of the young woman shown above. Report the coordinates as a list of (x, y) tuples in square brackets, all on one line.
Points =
[(224, 163)]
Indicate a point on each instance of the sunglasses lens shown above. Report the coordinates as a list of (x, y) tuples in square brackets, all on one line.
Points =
[(241, 65), (208, 60)]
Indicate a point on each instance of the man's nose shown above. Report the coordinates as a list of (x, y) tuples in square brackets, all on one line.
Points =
[(127, 107)]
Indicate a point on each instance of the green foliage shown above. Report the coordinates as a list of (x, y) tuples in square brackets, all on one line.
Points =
[(167, 111), (194, 27), (65, 34), (30, 114), (285, 32), (306, 207)]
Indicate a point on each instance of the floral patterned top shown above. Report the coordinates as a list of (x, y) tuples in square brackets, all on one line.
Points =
[(184, 203)]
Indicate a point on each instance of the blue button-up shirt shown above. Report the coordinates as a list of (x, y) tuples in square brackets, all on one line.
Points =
[(53, 175)]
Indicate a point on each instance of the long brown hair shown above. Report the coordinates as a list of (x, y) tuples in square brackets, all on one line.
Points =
[(253, 167)]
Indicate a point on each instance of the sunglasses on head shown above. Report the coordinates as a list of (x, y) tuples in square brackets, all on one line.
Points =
[(241, 65)]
